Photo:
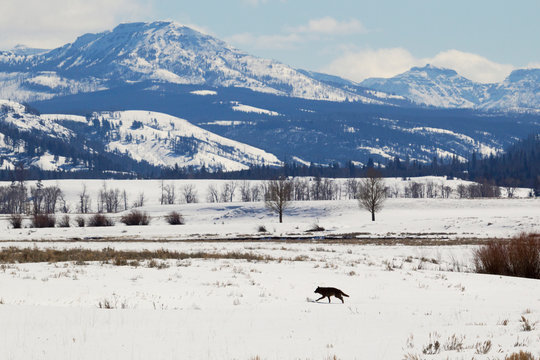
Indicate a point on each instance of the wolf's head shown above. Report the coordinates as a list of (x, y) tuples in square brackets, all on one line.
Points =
[(317, 290)]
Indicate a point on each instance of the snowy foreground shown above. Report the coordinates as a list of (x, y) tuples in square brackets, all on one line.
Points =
[(406, 302), (402, 299)]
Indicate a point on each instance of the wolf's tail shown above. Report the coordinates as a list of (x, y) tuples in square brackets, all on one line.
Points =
[(342, 293)]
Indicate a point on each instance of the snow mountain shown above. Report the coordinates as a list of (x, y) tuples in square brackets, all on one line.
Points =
[(162, 52), (445, 88), (433, 86), (520, 91)]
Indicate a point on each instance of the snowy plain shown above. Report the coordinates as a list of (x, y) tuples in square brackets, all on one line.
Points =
[(402, 297), (448, 218)]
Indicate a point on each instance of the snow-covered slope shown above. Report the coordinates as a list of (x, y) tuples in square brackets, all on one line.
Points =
[(159, 51), (445, 88), (433, 86), (519, 91), (165, 140), (155, 138)]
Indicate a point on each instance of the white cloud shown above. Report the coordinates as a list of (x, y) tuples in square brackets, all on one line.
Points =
[(51, 23), (471, 66), (364, 64), (277, 42), (533, 65), (314, 30), (361, 65), (331, 26)]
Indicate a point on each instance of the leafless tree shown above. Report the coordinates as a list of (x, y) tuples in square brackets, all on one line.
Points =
[(213, 194), (245, 191), (51, 196), (393, 191), (140, 200), (414, 190), (84, 201), (162, 198), (431, 191), (372, 192), (474, 191), (329, 190), (351, 186), (256, 193), (228, 190), (462, 191), (64, 206), (189, 194), (279, 196), (168, 194), (446, 191), (316, 189), (125, 199), (13, 199), (112, 200), (301, 189), (510, 185), (36, 196)]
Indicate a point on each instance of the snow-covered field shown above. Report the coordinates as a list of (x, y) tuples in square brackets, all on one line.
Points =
[(400, 218), (402, 298)]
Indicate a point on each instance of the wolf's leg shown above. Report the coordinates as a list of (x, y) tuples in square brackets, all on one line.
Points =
[(329, 298), (322, 297), (340, 298)]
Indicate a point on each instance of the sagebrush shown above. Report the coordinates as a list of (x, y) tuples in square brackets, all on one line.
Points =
[(135, 217), (519, 256)]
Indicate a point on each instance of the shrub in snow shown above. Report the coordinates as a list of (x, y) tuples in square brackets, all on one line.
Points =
[(80, 221), (518, 257), (261, 228), (315, 227), (135, 217), (100, 220), (521, 355), (16, 220), (64, 221), (43, 220), (174, 218)]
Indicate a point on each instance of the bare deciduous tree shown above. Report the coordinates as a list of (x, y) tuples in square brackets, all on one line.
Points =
[(510, 185), (351, 186), (84, 201), (140, 200), (213, 195), (446, 191), (372, 192), (462, 191), (227, 191), (256, 193), (169, 196), (189, 193), (245, 191), (51, 196), (301, 189), (125, 199), (279, 196)]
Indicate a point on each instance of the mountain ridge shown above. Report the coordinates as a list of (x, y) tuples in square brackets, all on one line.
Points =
[(163, 52), (441, 87)]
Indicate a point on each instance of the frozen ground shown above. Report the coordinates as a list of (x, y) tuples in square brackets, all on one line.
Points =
[(402, 299), (400, 218)]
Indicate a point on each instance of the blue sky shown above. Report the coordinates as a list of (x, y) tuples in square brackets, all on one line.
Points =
[(483, 40)]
